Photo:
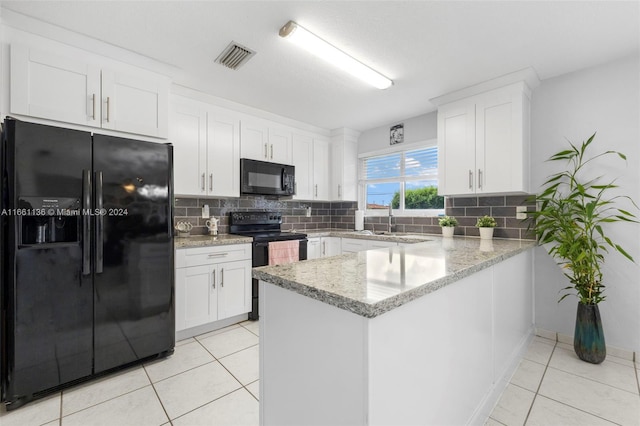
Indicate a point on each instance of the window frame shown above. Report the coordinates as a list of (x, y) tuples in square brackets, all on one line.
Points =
[(362, 182)]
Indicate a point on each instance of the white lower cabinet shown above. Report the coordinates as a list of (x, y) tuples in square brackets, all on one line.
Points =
[(314, 248), (212, 284), (354, 245), (318, 247)]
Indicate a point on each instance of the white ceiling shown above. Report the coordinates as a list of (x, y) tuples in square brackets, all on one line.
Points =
[(428, 48)]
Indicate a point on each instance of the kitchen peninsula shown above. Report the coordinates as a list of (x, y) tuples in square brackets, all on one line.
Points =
[(421, 334)]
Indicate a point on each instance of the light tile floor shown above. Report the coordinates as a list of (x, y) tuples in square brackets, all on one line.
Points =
[(212, 379), (552, 386)]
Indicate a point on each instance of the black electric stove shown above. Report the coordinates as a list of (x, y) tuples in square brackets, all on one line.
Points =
[(261, 226), (264, 227)]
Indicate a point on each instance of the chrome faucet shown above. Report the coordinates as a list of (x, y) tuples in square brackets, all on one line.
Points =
[(390, 224)]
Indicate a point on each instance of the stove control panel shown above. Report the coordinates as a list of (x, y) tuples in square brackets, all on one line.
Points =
[(255, 218)]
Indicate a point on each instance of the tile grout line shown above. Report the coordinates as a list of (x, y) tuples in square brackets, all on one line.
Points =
[(223, 366), (563, 403), (60, 418), (540, 384), (155, 391)]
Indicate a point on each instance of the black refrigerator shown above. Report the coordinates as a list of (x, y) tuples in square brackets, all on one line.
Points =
[(86, 256)]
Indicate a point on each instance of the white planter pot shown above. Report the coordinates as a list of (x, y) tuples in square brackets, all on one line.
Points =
[(486, 233), (447, 231)]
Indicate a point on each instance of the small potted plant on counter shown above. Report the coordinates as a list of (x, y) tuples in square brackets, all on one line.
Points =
[(574, 212), (486, 224), (448, 223)]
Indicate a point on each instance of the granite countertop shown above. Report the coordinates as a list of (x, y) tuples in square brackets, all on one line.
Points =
[(395, 237), (207, 240), (372, 282)]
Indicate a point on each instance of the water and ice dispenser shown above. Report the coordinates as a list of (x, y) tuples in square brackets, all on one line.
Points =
[(48, 220)]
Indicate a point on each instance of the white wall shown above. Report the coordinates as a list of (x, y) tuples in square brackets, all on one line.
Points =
[(416, 129), (605, 99)]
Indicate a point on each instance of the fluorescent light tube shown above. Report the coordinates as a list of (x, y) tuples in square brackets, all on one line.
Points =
[(315, 45)]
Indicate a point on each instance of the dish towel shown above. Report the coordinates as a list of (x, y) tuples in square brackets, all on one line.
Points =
[(284, 252)]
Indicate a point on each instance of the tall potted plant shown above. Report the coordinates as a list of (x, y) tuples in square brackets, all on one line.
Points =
[(573, 211)]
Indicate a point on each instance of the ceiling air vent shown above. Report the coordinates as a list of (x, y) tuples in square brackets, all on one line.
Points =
[(234, 56)]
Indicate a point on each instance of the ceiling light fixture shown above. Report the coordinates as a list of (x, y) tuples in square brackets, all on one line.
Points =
[(317, 46)]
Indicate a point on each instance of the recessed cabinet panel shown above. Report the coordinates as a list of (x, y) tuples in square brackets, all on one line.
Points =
[(195, 296), (134, 104), (321, 175), (55, 88), (223, 155), (303, 160), (234, 296), (254, 140), (188, 134), (457, 155)]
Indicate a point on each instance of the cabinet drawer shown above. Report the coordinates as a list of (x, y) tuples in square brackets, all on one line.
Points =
[(210, 255)]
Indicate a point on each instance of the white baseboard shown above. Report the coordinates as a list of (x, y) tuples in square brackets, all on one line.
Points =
[(212, 326), (485, 408)]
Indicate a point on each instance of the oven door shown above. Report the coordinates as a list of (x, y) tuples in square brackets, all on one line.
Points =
[(260, 257), (263, 178), (260, 252)]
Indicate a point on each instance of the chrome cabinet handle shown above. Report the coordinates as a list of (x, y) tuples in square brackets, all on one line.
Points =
[(203, 181), (214, 278), (272, 151), (210, 181), (324, 248), (93, 106), (265, 150), (108, 102), (217, 254), (339, 190), (221, 277), (470, 179), (480, 178), (316, 190)]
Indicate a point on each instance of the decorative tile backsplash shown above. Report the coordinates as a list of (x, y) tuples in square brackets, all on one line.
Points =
[(341, 214)]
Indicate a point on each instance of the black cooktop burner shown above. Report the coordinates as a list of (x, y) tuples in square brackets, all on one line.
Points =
[(262, 226)]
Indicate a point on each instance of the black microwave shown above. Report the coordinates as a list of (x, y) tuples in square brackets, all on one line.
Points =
[(263, 178)]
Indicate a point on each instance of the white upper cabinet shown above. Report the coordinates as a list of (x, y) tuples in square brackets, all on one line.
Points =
[(279, 145), (260, 140), (223, 153), (48, 86), (188, 134), (254, 136), (483, 139), (134, 103), (70, 90), (310, 156), (207, 149), (344, 165), (302, 156)]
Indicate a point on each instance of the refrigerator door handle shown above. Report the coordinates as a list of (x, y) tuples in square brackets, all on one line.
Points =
[(86, 221), (99, 224)]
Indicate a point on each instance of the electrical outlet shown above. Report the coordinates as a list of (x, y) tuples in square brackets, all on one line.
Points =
[(521, 209), (205, 210)]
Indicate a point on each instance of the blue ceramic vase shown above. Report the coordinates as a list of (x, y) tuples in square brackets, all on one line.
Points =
[(588, 341)]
